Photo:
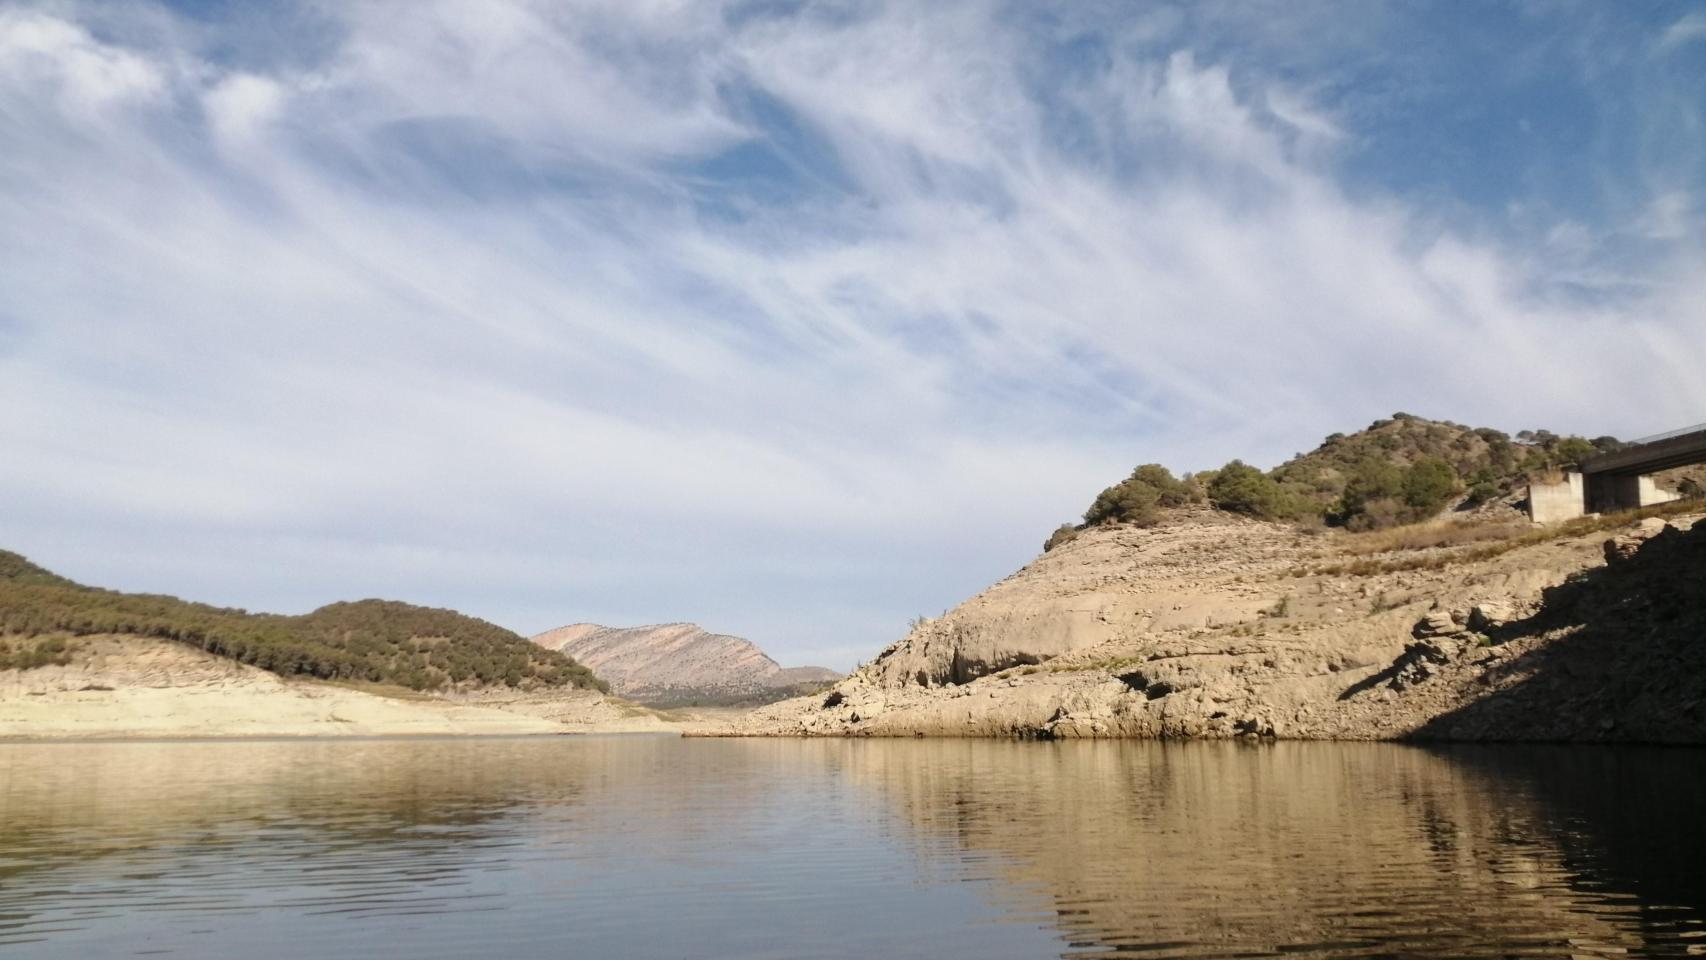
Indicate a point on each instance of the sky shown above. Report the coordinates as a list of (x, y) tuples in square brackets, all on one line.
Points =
[(796, 320)]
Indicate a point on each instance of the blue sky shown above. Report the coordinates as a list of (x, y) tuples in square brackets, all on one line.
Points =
[(792, 319)]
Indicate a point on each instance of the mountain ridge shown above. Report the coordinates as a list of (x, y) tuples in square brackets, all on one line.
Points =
[(680, 663)]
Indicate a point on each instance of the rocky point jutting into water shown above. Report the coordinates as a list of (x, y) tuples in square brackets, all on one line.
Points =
[(1184, 621), (1215, 626)]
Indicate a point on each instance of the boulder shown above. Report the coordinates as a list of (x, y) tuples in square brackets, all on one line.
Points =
[(1489, 614), (1421, 660), (1438, 623), (1624, 545)]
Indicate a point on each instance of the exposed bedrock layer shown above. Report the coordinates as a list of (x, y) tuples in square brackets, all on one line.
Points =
[(1216, 627)]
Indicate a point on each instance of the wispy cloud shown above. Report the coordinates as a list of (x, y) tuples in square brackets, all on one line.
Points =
[(1688, 28), (793, 322)]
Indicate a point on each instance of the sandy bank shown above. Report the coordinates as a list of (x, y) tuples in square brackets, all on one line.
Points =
[(128, 687)]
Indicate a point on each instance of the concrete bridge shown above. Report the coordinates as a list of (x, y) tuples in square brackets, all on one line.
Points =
[(1620, 480)]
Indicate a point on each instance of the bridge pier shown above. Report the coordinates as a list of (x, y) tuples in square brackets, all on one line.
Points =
[(1610, 492), (1557, 501), (1620, 480), (1578, 495)]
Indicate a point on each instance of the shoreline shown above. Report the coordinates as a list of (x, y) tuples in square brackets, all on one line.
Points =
[(6, 739), (118, 687)]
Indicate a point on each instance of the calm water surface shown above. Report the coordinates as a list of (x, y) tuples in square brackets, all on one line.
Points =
[(654, 847)]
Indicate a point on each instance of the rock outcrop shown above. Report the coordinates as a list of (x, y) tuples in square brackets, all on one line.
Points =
[(1219, 627), (681, 663)]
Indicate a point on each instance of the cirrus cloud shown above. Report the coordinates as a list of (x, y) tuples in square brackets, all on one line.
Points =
[(795, 322)]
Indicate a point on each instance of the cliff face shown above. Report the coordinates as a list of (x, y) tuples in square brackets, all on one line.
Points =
[(676, 663), (1214, 626)]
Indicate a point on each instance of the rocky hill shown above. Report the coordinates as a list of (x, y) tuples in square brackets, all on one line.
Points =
[(1384, 585), (1209, 625), (674, 664), (43, 615)]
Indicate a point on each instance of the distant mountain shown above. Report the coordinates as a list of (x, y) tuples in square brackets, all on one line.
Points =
[(380, 641), (674, 664)]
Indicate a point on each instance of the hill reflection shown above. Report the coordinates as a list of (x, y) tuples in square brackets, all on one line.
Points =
[(1321, 849), (654, 847)]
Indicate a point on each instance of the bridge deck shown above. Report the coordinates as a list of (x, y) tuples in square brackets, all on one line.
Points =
[(1678, 448)]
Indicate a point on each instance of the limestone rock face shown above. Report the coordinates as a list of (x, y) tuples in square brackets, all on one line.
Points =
[(680, 663), (1107, 585), (1215, 627)]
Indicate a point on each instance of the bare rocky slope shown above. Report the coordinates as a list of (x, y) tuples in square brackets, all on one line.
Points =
[(1212, 625), (673, 664)]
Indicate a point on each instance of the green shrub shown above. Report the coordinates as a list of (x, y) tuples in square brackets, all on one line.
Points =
[(1573, 450), (1372, 479), (1428, 484), (1241, 488), (1484, 491), (1139, 498), (30, 653), (1065, 533)]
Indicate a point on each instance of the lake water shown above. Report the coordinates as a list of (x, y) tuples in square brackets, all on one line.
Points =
[(651, 847)]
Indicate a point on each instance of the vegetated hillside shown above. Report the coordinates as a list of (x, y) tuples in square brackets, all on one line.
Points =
[(1406, 468), (380, 641), (682, 664), (1399, 470)]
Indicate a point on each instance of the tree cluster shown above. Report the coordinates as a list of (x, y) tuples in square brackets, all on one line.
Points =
[(1380, 493), (1399, 470), (1140, 498)]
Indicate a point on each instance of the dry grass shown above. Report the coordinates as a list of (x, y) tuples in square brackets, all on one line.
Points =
[(389, 690), (1110, 665), (1531, 536), (1438, 533)]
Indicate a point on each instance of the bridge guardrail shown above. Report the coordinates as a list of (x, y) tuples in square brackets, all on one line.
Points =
[(1668, 434)]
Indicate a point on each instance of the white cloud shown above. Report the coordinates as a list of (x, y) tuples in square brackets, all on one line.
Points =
[(241, 106), (1687, 29), (41, 54), (1670, 216), (440, 314), (1297, 113)]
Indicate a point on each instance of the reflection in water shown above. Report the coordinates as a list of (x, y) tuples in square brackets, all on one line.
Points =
[(1325, 849), (655, 847)]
